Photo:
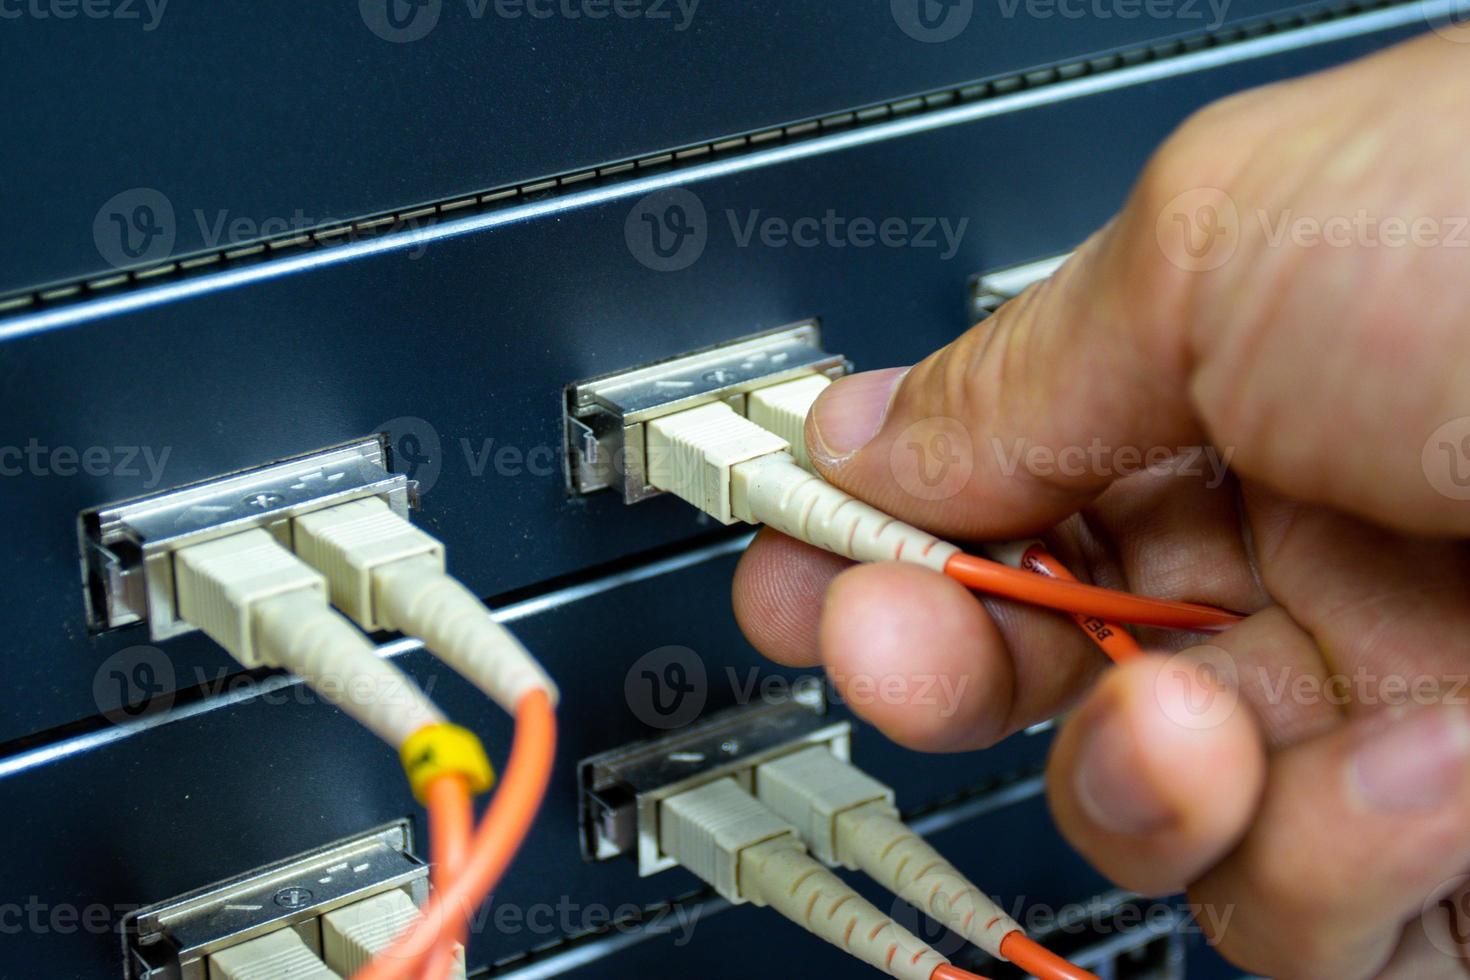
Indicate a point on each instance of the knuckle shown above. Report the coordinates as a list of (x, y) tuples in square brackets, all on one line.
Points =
[(1288, 886), (1187, 159), (1280, 923), (1260, 943)]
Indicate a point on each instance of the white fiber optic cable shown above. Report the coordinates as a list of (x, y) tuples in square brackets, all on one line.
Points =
[(783, 409), (848, 818), (274, 956), (385, 573), (735, 470), (775, 491), (874, 839), (749, 854), (268, 608), (781, 874)]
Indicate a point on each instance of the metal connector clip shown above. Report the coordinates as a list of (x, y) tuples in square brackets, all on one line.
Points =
[(620, 791), (173, 940), (991, 290), (127, 548), (605, 416)]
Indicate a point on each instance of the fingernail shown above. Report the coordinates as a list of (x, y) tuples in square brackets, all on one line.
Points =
[(1415, 762), (1109, 784), (850, 413)]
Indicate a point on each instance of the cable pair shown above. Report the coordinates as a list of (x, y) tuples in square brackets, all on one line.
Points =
[(270, 607), (772, 845)]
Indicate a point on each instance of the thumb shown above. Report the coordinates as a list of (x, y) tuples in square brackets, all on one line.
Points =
[(1020, 421), (1330, 370)]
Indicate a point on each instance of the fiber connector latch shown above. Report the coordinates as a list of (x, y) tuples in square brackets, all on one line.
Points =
[(606, 416), (177, 939), (620, 790), (749, 854), (127, 548), (990, 291)]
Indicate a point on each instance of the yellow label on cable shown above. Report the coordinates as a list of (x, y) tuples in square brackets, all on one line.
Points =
[(435, 750)]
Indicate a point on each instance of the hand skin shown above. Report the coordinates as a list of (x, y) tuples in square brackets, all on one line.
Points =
[(1322, 816)]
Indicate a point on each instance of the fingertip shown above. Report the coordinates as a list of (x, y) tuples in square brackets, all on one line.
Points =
[(913, 653), (849, 413), (1159, 773), (778, 591)]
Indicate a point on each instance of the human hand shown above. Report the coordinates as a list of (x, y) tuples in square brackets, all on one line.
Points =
[(1286, 290)]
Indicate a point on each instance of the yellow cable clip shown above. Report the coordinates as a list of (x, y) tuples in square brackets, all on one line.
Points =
[(435, 750)]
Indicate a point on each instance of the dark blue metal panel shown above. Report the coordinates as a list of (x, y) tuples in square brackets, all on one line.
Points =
[(464, 345), (134, 814), (277, 113), (468, 343)]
